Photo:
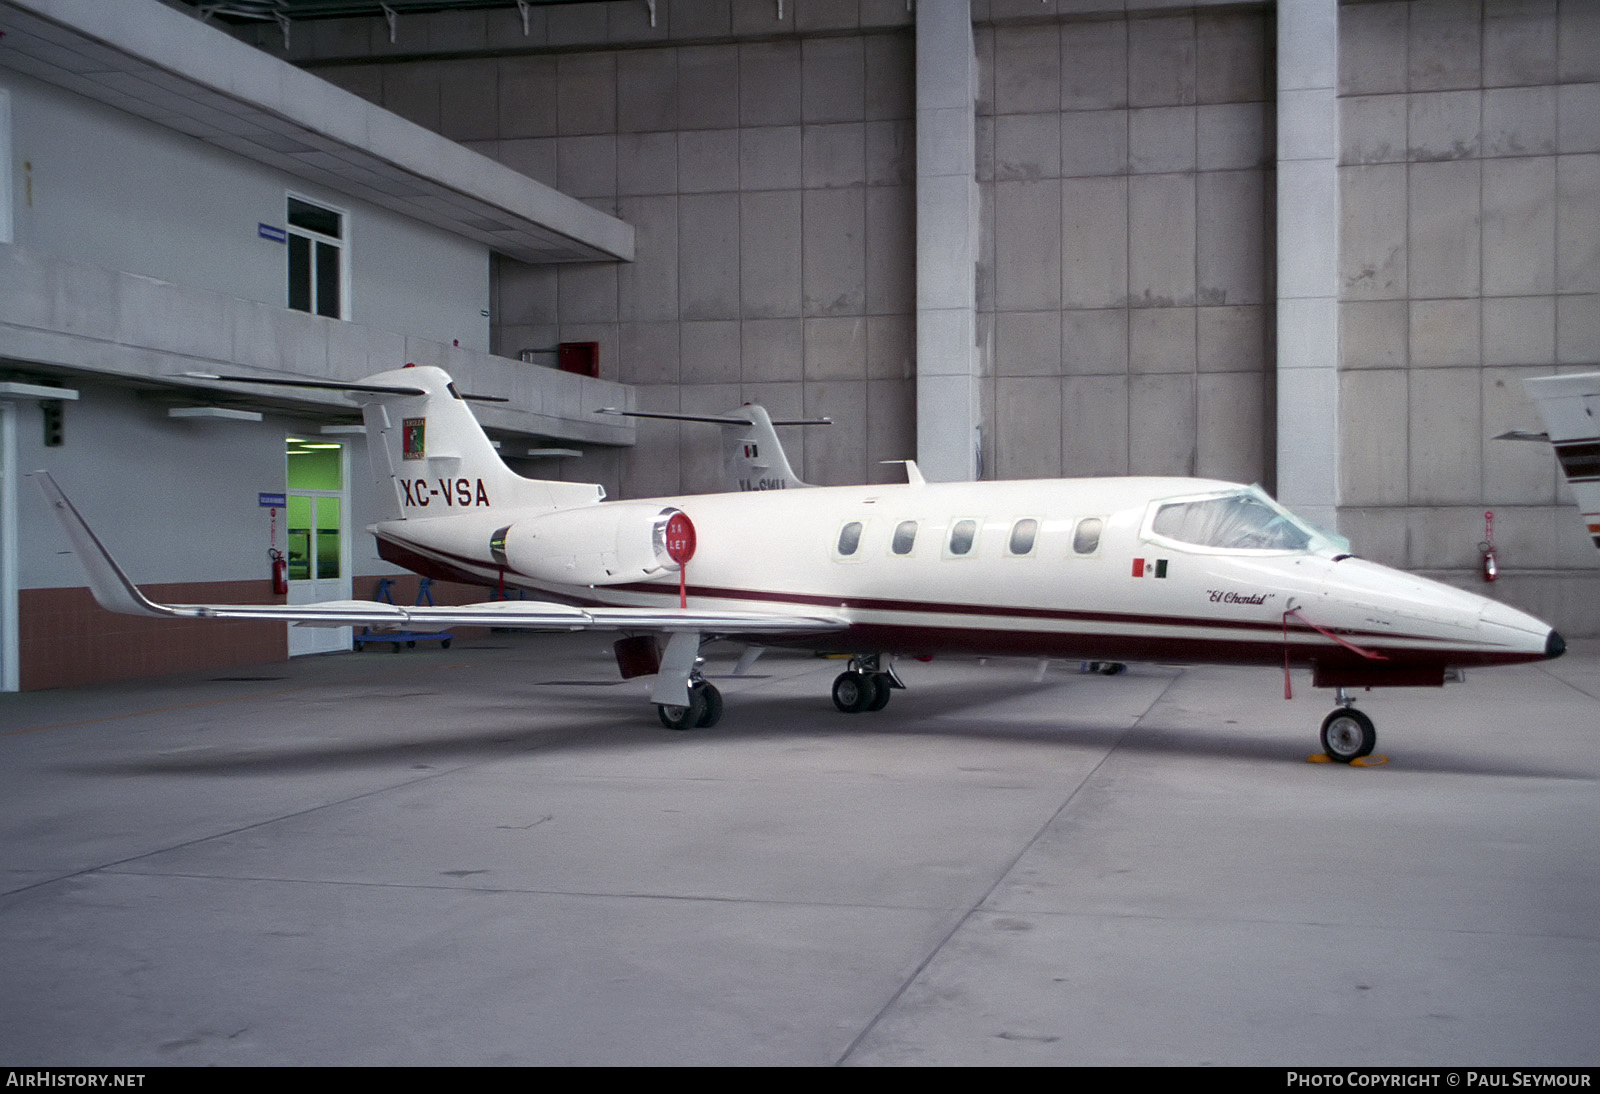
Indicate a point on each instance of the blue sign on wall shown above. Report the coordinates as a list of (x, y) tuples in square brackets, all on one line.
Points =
[(272, 232), (272, 501)]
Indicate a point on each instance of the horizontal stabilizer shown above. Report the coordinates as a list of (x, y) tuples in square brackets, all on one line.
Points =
[(335, 385)]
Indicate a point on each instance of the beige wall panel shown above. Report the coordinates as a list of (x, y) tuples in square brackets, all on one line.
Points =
[(1027, 236), (1231, 427), (1161, 425), (1094, 65), (1443, 237), (1373, 431), (769, 83), (770, 253), (1445, 443), (1027, 343), (1374, 333), (1028, 431), (1161, 225), (836, 349), (1095, 342), (1094, 425), (1094, 242), (708, 351), (1519, 226), (1161, 340)]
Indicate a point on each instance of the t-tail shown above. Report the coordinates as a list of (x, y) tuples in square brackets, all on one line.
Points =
[(752, 456), (430, 457)]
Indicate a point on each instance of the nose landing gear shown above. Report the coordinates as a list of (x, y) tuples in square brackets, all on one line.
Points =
[(1347, 734)]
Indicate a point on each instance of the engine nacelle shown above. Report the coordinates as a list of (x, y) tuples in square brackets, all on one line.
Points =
[(605, 544)]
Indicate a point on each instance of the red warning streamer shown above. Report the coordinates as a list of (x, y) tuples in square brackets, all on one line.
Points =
[(680, 548), (1370, 655)]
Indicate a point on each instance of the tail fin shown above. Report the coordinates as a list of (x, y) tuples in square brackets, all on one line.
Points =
[(752, 456), (430, 457), (1570, 407)]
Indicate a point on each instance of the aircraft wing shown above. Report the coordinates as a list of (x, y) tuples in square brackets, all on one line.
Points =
[(116, 592)]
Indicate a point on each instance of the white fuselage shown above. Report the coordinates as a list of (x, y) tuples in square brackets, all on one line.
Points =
[(1125, 593)]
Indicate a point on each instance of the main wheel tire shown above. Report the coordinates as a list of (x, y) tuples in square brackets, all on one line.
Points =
[(852, 691), (675, 717), (713, 705), (1347, 735), (882, 690)]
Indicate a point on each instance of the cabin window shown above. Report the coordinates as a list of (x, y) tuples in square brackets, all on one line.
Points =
[(905, 537), (962, 534), (849, 538), (1086, 540), (1023, 535)]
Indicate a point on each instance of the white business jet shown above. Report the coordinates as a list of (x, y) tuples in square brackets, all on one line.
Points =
[(1128, 569)]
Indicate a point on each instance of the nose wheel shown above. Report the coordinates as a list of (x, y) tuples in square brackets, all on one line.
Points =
[(1348, 735)]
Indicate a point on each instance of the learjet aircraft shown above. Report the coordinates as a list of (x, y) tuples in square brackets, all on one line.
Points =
[(1109, 569)]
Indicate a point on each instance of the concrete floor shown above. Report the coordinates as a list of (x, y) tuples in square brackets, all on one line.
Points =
[(493, 854)]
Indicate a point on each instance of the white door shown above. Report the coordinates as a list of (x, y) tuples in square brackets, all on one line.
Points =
[(318, 538)]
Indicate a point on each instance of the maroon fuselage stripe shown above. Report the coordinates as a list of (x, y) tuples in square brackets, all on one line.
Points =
[(1264, 646)]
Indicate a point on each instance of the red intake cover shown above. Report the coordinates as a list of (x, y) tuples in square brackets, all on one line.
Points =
[(680, 538)]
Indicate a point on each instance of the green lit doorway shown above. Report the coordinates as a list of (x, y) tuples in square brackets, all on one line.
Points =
[(318, 537)]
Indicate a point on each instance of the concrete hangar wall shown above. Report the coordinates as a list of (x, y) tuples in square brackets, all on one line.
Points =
[(1304, 243), (142, 191), (1312, 244)]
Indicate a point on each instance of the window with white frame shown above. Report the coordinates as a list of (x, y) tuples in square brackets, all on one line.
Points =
[(316, 259)]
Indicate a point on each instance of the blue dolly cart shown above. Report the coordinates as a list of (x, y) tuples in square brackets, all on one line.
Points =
[(408, 638)]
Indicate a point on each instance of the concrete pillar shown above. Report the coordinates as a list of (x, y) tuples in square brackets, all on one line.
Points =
[(948, 412), (1308, 259), (10, 674)]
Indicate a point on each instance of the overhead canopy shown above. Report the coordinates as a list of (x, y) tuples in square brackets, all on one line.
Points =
[(149, 60)]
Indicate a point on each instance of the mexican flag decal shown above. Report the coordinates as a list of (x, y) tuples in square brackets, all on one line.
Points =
[(1149, 567)]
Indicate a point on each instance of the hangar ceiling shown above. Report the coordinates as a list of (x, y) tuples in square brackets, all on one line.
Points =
[(288, 12), (299, 124)]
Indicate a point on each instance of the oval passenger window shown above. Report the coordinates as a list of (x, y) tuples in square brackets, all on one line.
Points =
[(962, 535), (1022, 536), (1086, 540), (850, 538), (905, 537)]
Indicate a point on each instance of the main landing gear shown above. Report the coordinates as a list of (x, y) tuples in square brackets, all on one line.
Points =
[(1347, 734), (864, 685), (703, 712)]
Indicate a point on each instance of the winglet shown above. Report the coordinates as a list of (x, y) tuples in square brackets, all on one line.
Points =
[(112, 588)]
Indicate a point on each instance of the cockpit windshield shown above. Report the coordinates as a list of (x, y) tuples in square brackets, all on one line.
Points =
[(1244, 520)]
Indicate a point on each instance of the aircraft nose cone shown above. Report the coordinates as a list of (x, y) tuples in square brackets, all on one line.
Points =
[(1555, 645)]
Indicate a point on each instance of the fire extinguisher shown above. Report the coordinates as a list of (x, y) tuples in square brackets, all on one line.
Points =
[(280, 565), (1491, 565)]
